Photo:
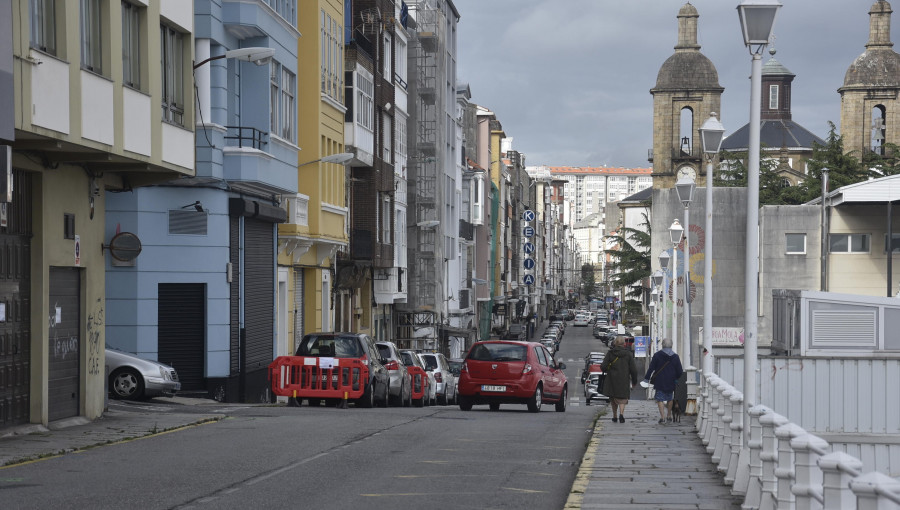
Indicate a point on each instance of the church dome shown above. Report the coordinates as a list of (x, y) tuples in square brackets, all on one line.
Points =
[(879, 66), (687, 70)]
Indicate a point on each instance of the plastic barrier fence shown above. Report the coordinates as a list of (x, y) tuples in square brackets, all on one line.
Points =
[(318, 377)]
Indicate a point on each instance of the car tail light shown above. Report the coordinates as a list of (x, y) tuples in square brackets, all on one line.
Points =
[(392, 365), (527, 368), (438, 377), (463, 368)]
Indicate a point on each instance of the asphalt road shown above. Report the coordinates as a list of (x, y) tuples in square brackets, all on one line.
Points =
[(287, 457)]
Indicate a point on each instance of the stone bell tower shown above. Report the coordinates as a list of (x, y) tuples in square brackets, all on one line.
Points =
[(687, 87), (870, 96)]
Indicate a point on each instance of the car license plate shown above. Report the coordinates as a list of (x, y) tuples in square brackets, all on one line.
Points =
[(486, 387)]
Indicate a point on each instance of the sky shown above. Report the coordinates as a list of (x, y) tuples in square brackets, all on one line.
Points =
[(570, 80)]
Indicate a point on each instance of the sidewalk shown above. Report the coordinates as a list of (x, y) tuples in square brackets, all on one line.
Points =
[(30, 442), (641, 464)]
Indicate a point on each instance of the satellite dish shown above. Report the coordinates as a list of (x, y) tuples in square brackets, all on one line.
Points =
[(124, 246)]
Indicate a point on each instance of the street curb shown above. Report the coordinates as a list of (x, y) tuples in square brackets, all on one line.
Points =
[(583, 477)]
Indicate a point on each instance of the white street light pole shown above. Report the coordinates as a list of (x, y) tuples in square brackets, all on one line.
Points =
[(711, 134), (757, 18), (685, 188), (675, 231)]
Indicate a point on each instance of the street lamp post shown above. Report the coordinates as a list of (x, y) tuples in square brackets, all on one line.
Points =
[(675, 232), (660, 280), (757, 18), (711, 133), (685, 188)]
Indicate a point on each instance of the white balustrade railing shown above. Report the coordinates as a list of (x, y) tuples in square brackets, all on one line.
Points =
[(787, 467)]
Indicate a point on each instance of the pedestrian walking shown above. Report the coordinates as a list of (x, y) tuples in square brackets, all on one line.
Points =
[(663, 373), (621, 377)]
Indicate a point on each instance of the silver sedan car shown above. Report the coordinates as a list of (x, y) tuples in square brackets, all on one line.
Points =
[(134, 378)]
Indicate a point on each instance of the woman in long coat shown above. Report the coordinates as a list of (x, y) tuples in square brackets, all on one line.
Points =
[(621, 377)]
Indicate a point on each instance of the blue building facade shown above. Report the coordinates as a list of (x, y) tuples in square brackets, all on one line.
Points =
[(202, 294)]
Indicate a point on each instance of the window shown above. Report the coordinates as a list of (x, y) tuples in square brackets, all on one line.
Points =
[(131, 46), (399, 141), (91, 56), (848, 243), (388, 51), (895, 243), (795, 244), (332, 57), (365, 101), (43, 25), (281, 101), (172, 61), (287, 9), (386, 219), (386, 129), (401, 62), (773, 97)]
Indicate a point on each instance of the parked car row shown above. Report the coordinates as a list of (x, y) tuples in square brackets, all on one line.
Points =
[(332, 367)]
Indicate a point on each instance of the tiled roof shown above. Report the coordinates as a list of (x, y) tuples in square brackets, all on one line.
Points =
[(592, 170)]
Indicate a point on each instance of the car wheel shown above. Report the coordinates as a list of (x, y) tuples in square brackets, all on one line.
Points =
[(561, 403), (442, 400), (315, 402), (465, 404), (394, 401), (127, 384), (534, 403), (495, 406), (419, 402), (368, 398)]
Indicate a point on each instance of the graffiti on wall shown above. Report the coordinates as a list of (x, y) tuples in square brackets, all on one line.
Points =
[(696, 240), (63, 346), (94, 330)]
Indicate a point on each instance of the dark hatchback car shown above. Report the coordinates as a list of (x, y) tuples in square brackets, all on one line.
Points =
[(505, 372), (327, 369)]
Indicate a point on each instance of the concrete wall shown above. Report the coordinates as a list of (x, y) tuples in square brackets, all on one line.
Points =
[(729, 221)]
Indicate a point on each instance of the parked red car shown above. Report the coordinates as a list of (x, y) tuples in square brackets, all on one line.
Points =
[(508, 372)]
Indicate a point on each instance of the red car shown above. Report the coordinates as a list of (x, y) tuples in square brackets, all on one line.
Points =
[(508, 372)]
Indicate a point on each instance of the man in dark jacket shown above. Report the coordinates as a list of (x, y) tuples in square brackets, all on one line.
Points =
[(621, 377), (663, 373)]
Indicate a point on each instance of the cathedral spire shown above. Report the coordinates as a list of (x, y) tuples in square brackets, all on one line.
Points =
[(687, 28), (880, 25)]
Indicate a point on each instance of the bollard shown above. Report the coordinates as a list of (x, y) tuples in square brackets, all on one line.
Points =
[(724, 447), (754, 483), (715, 402), (876, 491), (768, 456), (784, 471), (706, 394), (838, 468), (807, 488), (343, 403), (737, 428)]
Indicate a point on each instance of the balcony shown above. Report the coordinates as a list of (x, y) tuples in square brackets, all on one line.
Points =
[(362, 244), (466, 230), (255, 163)]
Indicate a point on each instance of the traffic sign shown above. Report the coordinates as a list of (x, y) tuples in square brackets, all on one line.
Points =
[(529, 247), (529, 263), (528, 231), (529, 279), (528, 215)]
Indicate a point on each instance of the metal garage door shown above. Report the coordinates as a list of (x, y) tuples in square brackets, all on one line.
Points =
[(182, 331), (259, 293), (65, 342), (15, 305)]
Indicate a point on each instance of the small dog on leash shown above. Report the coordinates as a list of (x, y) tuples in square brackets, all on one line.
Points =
[(676, 411)]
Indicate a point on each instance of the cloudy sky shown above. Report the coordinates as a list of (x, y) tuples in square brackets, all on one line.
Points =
[(570, 80)]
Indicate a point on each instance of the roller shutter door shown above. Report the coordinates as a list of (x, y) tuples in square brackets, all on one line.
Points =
[(259, 293), (182, 331), (65, 343)]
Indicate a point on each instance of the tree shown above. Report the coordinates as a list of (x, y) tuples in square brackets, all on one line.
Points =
[(630, 259), (588, 282)]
